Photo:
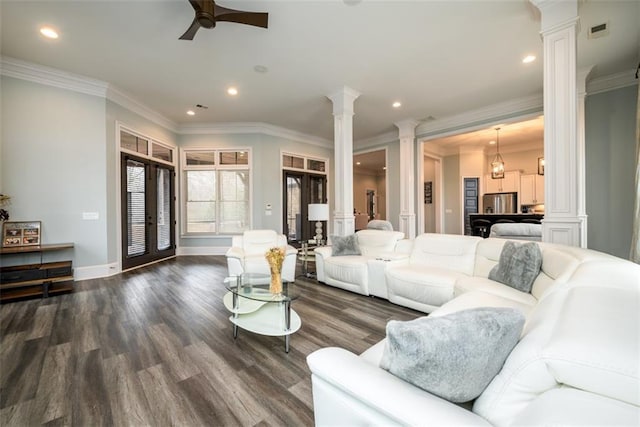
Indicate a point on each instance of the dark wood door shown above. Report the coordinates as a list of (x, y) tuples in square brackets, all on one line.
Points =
[(300, 189), (148, 213)]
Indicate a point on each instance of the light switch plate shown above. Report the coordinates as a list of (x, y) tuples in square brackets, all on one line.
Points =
[(90, 215)]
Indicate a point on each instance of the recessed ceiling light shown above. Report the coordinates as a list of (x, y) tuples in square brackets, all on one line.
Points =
[(528, 59), (396, 104), (232, 91), (191, 113), (49, 32)]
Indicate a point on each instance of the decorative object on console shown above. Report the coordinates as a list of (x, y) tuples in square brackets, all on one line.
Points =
[(519, 265), (343, 246), (540, 165), (318, 212), (275, 258), (4, 201), (23, 233), (454, 356), (497, 165)]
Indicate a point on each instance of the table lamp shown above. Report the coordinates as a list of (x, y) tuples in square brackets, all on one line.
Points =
[(318, 212)]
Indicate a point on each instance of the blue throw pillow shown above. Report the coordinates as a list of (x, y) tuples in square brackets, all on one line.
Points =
[(347, 245)]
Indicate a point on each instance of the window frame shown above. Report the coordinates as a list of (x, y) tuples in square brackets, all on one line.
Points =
[(216, 167)]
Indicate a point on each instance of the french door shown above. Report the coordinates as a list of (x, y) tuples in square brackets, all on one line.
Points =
[(301, 189), (148, 213)]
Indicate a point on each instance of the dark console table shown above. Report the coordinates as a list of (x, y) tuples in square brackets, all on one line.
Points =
[(36, 279), (481, 223)]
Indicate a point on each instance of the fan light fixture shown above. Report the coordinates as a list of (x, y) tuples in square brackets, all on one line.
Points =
[(497, 165)]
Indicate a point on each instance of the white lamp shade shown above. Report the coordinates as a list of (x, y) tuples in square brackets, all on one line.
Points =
[(318, 212)]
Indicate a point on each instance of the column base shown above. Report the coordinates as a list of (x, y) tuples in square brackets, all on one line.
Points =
[(564, 231)]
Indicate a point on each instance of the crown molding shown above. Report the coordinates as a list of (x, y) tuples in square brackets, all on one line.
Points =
[(12, 67), (253, 127), (612, 82), (126, 101), (512, 108), (382, 139)]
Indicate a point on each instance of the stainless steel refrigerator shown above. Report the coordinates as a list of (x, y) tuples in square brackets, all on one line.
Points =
[(500, 203)]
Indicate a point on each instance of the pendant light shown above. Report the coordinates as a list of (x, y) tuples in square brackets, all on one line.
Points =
[(497, 165)]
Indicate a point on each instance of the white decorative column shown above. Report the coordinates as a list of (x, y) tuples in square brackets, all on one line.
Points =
[(561, 223), (583, 75), (343, 219), (407, 136)]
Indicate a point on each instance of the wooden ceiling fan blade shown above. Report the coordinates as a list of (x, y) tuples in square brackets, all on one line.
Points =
[(196, 4), (257, 19), (191, 32)]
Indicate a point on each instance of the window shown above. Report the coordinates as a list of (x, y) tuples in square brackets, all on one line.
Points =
[(216, 191)]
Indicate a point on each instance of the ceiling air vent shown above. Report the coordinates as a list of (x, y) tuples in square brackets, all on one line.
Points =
[(599, 30)]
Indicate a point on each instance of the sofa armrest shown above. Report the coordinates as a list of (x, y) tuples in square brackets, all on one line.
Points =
[(347, 390), (235, 252), (323, 251)]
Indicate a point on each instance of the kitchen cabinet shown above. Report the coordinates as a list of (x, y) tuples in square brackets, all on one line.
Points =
[(532, 189), (510, 183)]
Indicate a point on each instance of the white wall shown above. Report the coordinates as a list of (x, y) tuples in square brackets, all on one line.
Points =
[(53, 164)]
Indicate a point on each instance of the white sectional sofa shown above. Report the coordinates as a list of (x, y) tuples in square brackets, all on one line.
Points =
[(577, 361), (363, 274)]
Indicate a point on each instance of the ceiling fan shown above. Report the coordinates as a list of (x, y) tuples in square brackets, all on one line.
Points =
[(208, 13)]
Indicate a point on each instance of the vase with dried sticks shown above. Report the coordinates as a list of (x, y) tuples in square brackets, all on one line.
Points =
[(275, 258)]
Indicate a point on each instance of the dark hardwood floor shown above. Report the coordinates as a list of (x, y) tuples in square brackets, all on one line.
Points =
[(154, 347)]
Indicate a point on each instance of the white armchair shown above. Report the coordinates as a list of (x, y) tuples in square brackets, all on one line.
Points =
[(246, 254)]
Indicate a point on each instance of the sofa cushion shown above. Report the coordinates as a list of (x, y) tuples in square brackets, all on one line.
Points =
[(345, 245), (519, 265), (376, 242), (475, 299), (453, 356), (429, 285), (348, 269), (465, 284), (258, 242), (455, 253)]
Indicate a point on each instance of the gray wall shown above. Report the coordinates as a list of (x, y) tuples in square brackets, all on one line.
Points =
[(610, 169), (53, 164)]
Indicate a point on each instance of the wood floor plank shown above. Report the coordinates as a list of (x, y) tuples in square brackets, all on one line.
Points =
[(54, 388), (154, 346), (127, 399), (168, 405)]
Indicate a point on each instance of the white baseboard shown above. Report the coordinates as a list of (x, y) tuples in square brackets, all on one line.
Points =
[(95, 271), (106, 270), (201, 250)]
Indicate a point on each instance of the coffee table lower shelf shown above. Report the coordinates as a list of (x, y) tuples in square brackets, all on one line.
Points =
[(264, 318)]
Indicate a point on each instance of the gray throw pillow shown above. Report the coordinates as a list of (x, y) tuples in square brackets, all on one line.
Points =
[(519, 265), (453, 356), (347, 245)]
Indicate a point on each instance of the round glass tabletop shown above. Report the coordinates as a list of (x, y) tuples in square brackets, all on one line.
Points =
[(255, 286)]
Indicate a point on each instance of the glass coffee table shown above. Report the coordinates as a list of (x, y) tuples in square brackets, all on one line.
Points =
[(257, 310)]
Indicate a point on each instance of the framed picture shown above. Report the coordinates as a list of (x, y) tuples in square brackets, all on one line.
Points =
[(21, 233), (428, 195), (540, 165)]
